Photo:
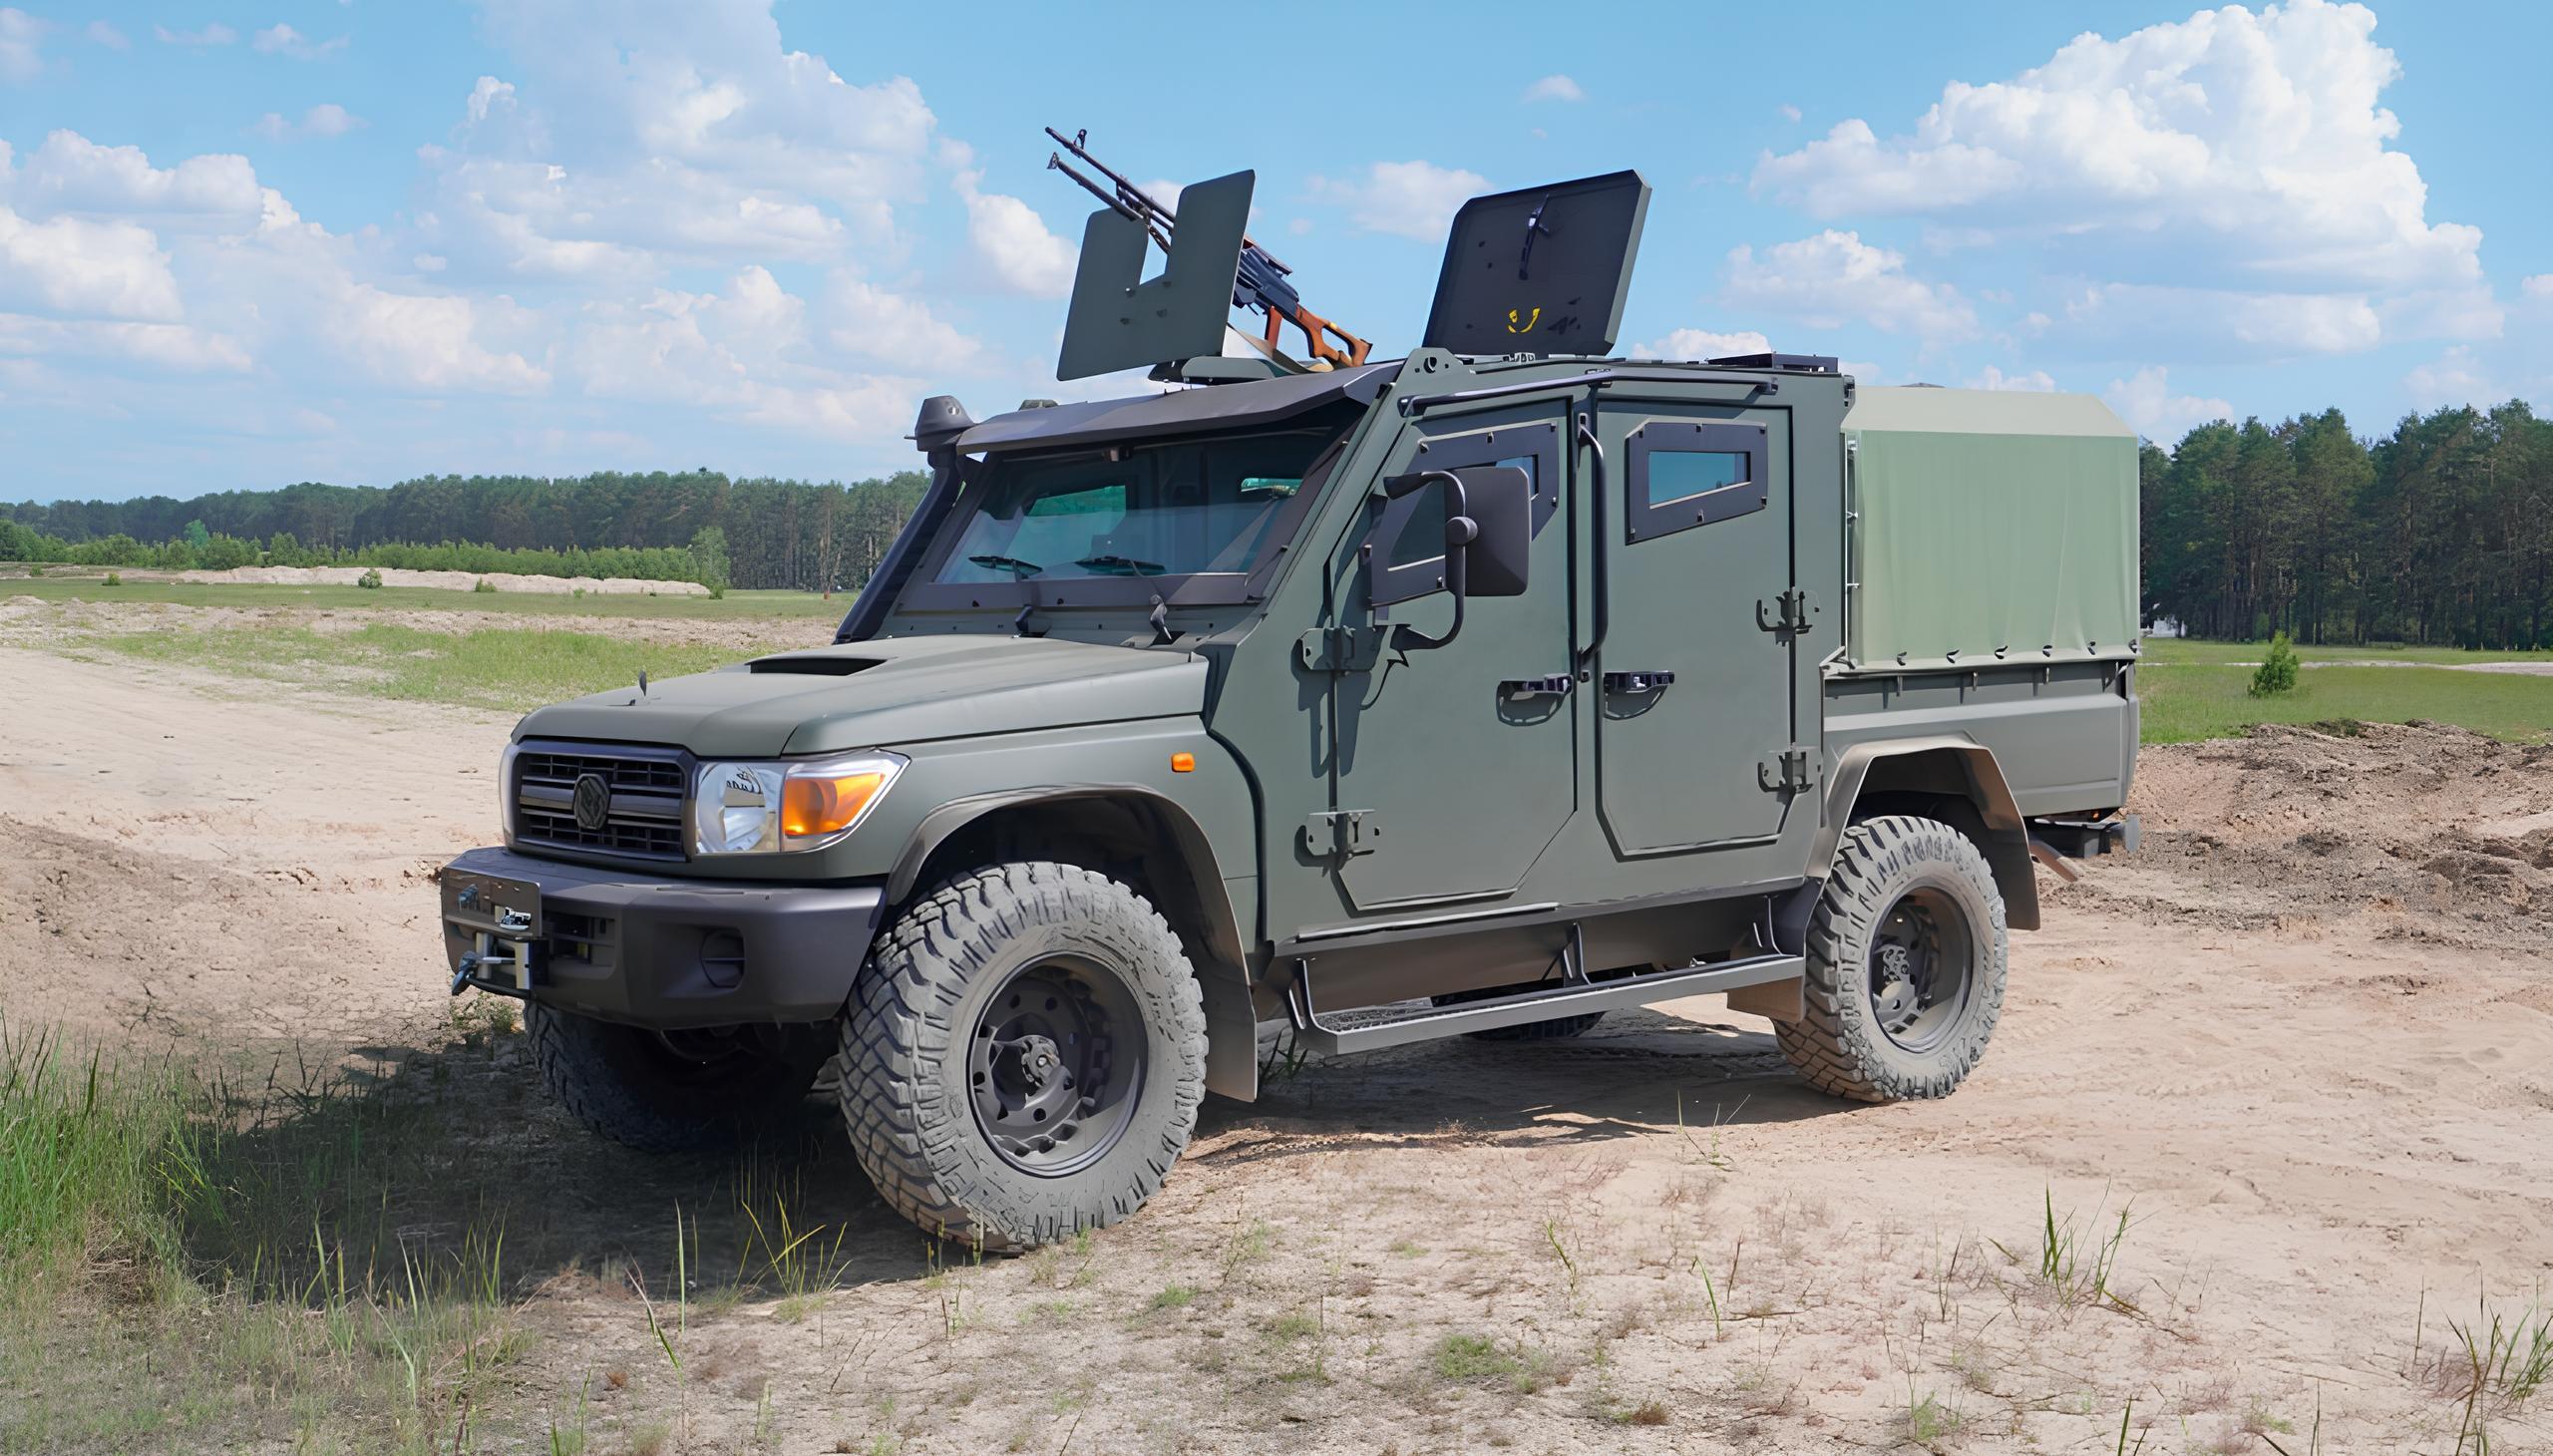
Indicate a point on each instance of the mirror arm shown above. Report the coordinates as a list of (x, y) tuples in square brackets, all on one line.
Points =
[(1460, 529)]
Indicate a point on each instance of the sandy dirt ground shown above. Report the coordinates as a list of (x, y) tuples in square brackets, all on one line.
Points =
[(2304, 1042)]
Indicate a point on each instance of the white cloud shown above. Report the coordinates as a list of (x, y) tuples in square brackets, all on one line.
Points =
[(72, 267), (1013, 243), (2455, 377), (2537, 286), (71, 174), (324, 120), (1835, 278), (283, 40), (2037, 381), (867, 322), (1789, 112), (2148, 405), (20, 45), (742, 353), (488, 95), (163, 347), (1704, 344), (214, 34), (642, 137), (104, 33), (2215, 321), (1405, 198), (2260, 134), (1555, 87)]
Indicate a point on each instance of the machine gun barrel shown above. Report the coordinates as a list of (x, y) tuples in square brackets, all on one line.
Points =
[(1259, 280), (1154, 223)]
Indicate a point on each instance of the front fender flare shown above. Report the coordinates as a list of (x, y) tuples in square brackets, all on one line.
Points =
[(1232, 1022)]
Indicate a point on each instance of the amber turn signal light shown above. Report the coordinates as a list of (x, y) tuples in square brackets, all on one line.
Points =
[(822, 806), (1183, 763)]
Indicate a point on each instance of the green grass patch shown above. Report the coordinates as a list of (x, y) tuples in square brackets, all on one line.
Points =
[(513, 668), (735, 606), (2188, 703), (200, 1251), (2189, 650)]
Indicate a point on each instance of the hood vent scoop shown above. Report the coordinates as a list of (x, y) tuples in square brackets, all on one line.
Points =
[(813, 667)]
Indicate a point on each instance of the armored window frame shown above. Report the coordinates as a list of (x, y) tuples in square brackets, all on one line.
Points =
[(1538, 441), (1197, 588), (1645, 520)]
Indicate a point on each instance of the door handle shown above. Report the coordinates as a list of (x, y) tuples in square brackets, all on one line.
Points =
[(1555, 686), (1643, 681)]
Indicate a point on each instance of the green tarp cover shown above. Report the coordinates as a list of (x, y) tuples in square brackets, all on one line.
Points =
[(1991, 522)]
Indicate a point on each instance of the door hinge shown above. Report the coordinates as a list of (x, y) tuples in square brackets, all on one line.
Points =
[(1342, 834), (1794, 612), (1785, 772), (1339, 650)]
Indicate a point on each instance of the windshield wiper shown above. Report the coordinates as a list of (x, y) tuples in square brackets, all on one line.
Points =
[(1113, 566), (1019, 570)]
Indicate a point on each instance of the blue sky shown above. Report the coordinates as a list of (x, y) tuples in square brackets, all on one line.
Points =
[(300, 239)]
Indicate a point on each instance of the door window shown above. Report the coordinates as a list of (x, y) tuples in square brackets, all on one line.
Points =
[(1407, 547), (1680, 473)]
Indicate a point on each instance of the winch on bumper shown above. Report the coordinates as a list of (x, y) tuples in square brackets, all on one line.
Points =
[(663, 954)]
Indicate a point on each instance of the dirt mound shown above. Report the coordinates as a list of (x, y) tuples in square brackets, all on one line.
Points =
[(2306, 823), (110, 937)]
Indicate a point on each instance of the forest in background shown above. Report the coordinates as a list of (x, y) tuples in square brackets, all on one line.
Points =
[(774, 534), (2440, 533)]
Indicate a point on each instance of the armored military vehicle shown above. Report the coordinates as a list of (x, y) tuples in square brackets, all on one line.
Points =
[(1476, 692)]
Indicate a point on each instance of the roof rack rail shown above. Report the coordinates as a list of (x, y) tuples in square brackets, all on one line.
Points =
[(1798, 363)]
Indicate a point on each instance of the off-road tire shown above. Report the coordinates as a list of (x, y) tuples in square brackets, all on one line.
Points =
[(903, 1066), (1838, 1047), (631, 1086)]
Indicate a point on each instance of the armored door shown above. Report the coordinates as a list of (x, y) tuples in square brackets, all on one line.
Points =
[(1692, 697), (1455, 765)]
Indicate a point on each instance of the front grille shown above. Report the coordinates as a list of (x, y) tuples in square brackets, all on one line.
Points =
[(648, 792)]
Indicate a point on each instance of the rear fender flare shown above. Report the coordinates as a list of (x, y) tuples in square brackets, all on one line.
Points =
[(1953, 767)]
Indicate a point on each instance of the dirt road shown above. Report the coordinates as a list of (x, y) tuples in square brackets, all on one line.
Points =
[(2305, 1042)]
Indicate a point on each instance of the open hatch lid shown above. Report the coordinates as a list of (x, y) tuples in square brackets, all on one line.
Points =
[(1539, 270)]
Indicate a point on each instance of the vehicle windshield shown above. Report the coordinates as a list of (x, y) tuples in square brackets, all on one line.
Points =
[(1175, 509)]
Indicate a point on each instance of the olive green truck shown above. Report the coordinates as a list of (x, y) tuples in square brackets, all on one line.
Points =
[(1476, 693)]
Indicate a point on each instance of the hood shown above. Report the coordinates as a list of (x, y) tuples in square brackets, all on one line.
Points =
[(879, 694)]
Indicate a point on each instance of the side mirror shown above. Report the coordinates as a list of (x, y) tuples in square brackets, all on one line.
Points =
[(1489, 537)]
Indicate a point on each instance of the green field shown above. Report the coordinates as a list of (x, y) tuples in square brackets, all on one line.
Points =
[(2178, 650), (510, 668), (2191, 689), (2184, 703), (736, 606)]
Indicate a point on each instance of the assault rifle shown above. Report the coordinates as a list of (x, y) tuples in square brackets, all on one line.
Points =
[(1260, 283)]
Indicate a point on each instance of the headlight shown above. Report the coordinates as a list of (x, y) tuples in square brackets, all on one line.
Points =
[(787, 805), (506, 794)]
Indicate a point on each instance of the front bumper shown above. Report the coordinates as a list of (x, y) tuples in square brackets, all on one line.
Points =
[(663, 954)]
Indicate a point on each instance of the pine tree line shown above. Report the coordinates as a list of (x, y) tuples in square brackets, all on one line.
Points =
[(2440, 533), (777, 533)]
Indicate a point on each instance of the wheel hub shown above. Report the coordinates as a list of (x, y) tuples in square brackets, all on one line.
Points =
[(1918, 969), (1029, 1064), (1055, 1065)]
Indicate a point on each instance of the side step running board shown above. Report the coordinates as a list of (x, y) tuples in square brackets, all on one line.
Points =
[(1566, 1000)]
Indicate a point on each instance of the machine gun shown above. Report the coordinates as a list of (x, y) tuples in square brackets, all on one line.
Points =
[(1259, 282)]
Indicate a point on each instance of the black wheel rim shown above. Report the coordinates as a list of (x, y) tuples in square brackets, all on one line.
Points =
[(1920, 969), (1055, 1065)]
